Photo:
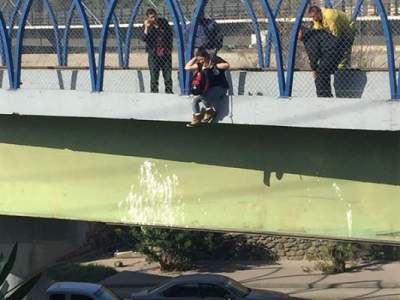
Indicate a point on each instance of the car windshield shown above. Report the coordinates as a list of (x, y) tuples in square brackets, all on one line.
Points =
[(157, 288), (237, 287), (106, 294)]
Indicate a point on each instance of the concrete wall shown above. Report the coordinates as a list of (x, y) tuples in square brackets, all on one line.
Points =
[(344, 113)]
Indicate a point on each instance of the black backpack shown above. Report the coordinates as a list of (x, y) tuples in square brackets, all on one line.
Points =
[(199, 83)]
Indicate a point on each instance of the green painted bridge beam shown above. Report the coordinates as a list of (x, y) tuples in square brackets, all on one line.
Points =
[(314, 182)]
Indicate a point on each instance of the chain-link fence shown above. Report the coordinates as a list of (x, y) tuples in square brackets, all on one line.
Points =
[(342, 48)]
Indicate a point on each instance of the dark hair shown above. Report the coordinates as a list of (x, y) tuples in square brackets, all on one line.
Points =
[(202, 52), (314, 9), (151, 11)]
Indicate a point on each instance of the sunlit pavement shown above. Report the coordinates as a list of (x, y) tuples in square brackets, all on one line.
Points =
[(294, 278)]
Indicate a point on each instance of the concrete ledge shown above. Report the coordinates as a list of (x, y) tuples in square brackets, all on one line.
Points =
[(342, 113)]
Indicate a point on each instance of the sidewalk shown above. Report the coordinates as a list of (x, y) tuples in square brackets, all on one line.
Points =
[(294, 278)]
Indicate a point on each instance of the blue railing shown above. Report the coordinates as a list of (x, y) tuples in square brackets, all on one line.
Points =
[(12, 57)]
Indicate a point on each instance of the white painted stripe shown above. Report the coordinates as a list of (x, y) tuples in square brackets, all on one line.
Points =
[(228, 21)]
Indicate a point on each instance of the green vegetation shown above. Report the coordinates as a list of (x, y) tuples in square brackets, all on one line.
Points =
[(22, 289), (76, 272), (335, 256), (338, 257), (181, 249)]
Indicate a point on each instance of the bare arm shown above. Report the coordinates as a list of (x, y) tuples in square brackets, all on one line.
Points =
[(221, 64), (191, 65)]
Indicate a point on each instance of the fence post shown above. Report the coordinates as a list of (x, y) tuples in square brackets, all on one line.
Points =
[(103, 44), (68, 20), (180, 45), (293, 48), (387, 34), (5, 44), (19, 44), (129, 32), (268, 48), (277, 44), (54, 23), (257, 31), (117, 32), (89, 42)]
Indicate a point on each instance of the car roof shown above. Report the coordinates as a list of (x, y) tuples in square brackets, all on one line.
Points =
[(73, 288), (202, 278)]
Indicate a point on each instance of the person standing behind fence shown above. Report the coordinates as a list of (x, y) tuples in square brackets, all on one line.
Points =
[(158, 37), (213, 71), (208, 35), (322, 53), (340, 26)]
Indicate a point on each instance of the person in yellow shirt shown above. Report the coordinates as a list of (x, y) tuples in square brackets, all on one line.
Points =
[(340, 25)]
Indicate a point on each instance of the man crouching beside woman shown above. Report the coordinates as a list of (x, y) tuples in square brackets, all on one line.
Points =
[(208, 84)]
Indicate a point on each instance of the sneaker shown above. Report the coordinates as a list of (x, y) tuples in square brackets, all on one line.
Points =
[(209, 116), (196, 120)]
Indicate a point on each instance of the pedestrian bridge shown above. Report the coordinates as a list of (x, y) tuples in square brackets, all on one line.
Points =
[(278, 159)]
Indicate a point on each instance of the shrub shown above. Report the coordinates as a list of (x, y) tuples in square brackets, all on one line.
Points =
[(333, 256), (181, 249), (76, 272)]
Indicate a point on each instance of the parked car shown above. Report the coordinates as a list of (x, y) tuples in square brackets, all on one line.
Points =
[(205, 286), (80, 291)]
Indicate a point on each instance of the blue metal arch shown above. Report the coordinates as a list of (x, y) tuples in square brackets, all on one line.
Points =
[(180, 14), (11, 23), (200, 4), (328, 4), (68, 20), (54, 23), (180, 45), (293, 48), (103, 44), (3, 58), (257, 31), (13, 16), (129, 32), (357, 9), (117, 31), (387, 33), (277, 45), (6, 50), (89, 42), (19, 44), (277, 7)]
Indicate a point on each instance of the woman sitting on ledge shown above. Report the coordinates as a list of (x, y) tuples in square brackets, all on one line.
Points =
[(208, 84)]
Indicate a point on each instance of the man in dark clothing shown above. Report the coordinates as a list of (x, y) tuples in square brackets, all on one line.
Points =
[(208, 35), (158, 37), (321, 48)]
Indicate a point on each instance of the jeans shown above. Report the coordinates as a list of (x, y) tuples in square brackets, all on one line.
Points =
[(157, 64), (213, 94)]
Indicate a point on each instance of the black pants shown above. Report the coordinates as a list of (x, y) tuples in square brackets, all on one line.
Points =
[(323, 84), (157, 64), (344, 47)]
